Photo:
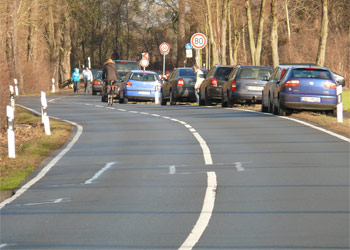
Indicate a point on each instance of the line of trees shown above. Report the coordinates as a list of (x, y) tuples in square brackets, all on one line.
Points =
[(44, 39)]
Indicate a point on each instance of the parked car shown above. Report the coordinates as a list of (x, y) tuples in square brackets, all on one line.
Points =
[(139, 86), (97, 83), (305, 88), (211, 88), (179, 87), (267, 93), (245, 85)]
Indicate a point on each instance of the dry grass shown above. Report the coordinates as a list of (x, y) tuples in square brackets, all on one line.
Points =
[(32, 147)]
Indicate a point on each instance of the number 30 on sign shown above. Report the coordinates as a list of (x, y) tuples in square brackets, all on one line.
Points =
[(198, 41)]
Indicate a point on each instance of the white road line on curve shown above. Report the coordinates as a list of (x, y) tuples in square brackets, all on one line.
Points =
[(99, 173), (99, 106), (204, 218), (206, 151), (44, 203), (155, 115), (51, 164), (122, 110), (3, 245), (134, 112), (110, 108), (239, 167)]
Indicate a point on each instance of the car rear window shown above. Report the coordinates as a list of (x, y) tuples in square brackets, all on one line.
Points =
[(126, 65), (187, 72), (311, 73), (223, 72), (144, 77), (258, 74), (99, 75)]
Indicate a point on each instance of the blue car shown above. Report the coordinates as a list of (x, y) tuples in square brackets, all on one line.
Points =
[(305, 88), (139, 85)]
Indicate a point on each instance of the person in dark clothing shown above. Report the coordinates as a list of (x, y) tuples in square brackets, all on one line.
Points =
[(110, 72)]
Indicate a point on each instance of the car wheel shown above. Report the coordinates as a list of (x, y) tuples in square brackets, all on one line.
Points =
[(269, 106), (223, 100), (207, 101), (263, 107), (163, 100), (172, 98), (201, 101), (281, 110), (230, 103), (93, 92), (104, 98)]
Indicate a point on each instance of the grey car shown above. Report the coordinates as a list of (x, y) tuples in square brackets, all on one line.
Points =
[(179, 87), (245, 85)]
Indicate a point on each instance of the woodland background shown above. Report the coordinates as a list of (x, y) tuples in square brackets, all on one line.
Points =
[(44, 39)]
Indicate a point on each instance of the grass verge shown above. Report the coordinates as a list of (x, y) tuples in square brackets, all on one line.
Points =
[(32, 147)]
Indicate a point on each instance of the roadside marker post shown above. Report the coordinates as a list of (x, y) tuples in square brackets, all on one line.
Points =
[(340, 104), (12, 97), (11, 131), (156, 94), (16, 86), (44, 116), (53, 85)]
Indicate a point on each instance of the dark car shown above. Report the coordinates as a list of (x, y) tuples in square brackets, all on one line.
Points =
[(97, 83), (245, 85), (179, 87), (139, 85), (211, 88), (305, 88)]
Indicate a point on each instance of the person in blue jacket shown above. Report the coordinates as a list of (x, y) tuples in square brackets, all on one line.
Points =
[(76, 79)]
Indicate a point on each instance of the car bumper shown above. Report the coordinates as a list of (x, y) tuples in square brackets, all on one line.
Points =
[(215, 93), (97, 88), (185, 94), (141, 95), (239, 96), (298, 102)]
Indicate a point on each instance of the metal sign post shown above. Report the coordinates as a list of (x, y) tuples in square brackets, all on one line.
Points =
[(164, 50), (11, 132)]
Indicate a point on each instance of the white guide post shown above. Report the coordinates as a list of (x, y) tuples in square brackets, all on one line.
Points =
[(340, 104), (89, 62), (53, 85), (156, 94), (16, 86), (12, 97), (44, 116), (10, 131)]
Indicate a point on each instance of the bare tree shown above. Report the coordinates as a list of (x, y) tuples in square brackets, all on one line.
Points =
[(215, 52), (181, 33), (321, 54), (274, 33)]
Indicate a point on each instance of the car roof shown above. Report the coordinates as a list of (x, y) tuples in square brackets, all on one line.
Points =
[(142, 71), (253, 66)]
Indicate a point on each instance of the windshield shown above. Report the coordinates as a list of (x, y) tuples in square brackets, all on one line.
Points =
[(257, 74), (312, 73), (126, 65), (144, 77)]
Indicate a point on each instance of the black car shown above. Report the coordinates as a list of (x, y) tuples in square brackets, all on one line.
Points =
[(179, 87), (245, 85), (211, 88)]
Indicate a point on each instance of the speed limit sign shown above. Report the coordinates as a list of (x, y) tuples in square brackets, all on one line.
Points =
[(164, 48), (198, 41)]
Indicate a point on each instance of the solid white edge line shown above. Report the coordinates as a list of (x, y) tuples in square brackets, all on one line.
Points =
[(206, 151), (99, 173), (301, 122), (51, 164), (205, 215)]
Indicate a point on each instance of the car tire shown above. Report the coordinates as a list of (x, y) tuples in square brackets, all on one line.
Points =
[(163, 100), (269, 106), (93, 92), (223, 100), (230, 103), (201, 100), (172, 98), (282, 111), (263, 107), (104, 98)]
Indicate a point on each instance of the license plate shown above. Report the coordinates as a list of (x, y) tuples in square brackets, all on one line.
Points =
[(255, 88), (144, 92), (311, 99)]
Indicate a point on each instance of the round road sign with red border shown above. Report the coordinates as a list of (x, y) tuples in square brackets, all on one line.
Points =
[(198, 41), (164, 48), (144, 63)]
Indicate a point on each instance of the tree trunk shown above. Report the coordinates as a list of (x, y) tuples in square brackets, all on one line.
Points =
[(274, 34), (287, 18), (181, 34), (230, 31), (250, 31), (321, 54), (212, 38), (260, 33), (224, 33), (65, 66)]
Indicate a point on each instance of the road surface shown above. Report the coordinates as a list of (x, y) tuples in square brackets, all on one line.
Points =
[(183, 177)]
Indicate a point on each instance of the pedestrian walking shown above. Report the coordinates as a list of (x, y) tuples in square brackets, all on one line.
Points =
[(75, 80), (199, 80), (87, 74)]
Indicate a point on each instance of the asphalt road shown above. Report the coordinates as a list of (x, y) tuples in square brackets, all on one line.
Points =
[(146, 176)]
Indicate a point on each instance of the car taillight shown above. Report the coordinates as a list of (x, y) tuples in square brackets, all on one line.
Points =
[(292, 83), (129, 84), (329, 85), (96, 82), (180, 82), (234, 86), (214, 82)]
